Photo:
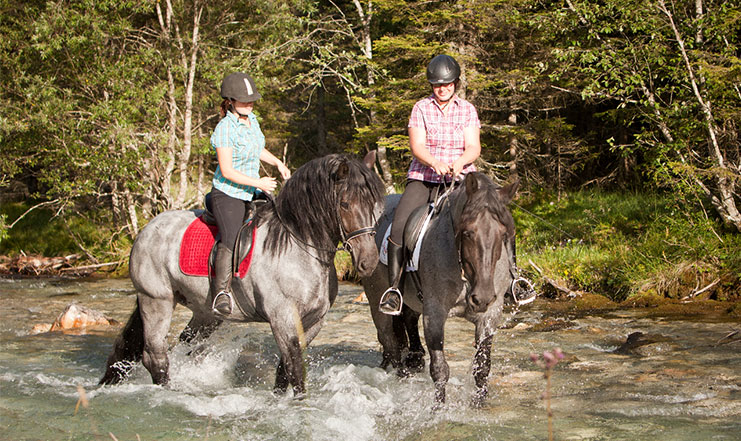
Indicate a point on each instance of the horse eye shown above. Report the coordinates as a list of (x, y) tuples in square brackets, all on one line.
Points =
[(344, 205), (467, 234)]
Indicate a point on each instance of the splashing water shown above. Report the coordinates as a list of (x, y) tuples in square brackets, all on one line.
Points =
[(683, 386)]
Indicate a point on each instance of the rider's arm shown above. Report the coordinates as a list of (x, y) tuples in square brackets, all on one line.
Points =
[(417, 139), (224, 156), (269, 158)]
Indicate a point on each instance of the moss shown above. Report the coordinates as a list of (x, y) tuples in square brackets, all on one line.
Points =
[(592, 302), (645, 299), (735, 310)]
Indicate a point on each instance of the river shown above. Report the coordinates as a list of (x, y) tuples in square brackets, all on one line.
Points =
[(683, 385)]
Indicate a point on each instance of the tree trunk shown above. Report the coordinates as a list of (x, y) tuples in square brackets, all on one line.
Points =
[(367, 49), (512, 120), (724, 203), (184, 156)]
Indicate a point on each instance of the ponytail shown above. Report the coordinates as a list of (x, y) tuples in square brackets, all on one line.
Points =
[(226, 105)]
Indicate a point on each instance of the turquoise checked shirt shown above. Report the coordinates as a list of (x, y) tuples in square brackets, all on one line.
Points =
[(246, 143)]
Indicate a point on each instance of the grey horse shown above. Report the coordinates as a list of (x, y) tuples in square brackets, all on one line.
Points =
[(466, 264), (291, 281)]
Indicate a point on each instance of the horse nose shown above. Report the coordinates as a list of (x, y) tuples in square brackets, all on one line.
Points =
[(474, 301), (362, 267)]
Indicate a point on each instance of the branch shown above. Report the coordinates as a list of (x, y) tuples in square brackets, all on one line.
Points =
[(42, 204)]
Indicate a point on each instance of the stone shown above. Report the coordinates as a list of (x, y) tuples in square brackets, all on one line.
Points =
[(75, 316)]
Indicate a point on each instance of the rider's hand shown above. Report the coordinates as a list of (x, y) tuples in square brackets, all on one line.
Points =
[(441, 168), (456, 168), (267, 184), (284, 171)]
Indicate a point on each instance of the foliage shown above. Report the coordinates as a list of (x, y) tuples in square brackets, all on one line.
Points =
[(108, 109), (41, 232), (620, 244)]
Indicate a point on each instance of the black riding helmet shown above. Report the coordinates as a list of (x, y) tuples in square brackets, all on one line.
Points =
[(443, 69), (241, 87)]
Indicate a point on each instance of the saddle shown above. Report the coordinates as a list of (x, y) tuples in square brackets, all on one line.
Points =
[(198, 246), (520, 292)]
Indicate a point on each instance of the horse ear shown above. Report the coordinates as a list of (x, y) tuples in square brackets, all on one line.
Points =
[(370, 159), (342, 171), (507, 193), (472, 184)]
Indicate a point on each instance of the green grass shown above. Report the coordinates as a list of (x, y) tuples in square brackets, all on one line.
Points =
[(40, 232), (613, 244), (622, 244)]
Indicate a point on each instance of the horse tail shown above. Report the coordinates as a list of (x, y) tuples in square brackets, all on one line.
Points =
[(127, 350)]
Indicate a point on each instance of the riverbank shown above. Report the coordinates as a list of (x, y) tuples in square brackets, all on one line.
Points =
[(617, 245)]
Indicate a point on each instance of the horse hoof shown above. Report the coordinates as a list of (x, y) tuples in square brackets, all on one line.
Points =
[(479, 398), (403, 372), (414, 362)]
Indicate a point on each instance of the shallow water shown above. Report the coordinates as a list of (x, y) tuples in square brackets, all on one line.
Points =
[(682, 386)]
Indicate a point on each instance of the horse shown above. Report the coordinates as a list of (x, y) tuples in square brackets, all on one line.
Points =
[(291, 281), (466, 266)]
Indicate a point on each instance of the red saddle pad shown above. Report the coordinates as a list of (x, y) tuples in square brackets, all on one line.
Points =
[(198, 240)]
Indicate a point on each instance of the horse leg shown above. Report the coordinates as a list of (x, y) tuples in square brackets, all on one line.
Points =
[(482, 363), (415, 358), (290, 368), (156, 315), (127, 350), (389, 331), (281, 374), (198, 327), (434, 323)]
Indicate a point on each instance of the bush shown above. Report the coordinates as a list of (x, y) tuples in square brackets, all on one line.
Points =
[(620, 244)]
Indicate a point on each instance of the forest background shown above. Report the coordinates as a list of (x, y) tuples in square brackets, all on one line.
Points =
[(620, 118)]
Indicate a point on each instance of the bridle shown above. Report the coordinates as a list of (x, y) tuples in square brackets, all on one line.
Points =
[(346, 246)]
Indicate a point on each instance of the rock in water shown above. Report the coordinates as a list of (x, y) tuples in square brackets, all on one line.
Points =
[(78, 316), (637, 339)]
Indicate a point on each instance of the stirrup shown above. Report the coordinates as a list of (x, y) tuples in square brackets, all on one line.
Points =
[(384, 305), (526, 294), (222, 312)]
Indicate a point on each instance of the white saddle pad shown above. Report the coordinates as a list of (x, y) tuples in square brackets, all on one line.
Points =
[(413, 264)]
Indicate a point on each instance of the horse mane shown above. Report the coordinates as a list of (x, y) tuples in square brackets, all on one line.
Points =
[(487, 197), (307, 204)]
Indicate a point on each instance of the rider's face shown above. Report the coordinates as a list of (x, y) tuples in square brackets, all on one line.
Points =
[(243, 108), (443, 92)]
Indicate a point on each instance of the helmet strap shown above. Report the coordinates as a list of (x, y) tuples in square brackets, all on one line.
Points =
[(234, 109)]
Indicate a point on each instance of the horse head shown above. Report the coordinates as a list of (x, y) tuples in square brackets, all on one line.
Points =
[(360, 203), (485, 235)]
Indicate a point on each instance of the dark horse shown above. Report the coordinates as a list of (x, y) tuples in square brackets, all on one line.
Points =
[(291, 281), (472, 236)]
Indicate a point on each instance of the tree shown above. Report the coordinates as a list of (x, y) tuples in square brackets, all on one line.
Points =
[(635, 54)]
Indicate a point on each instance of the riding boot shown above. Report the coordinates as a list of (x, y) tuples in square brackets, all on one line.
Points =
[(222, 301), (391, 300)]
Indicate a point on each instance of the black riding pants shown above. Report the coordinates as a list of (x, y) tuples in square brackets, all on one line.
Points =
[(415, 194), (229, 213)]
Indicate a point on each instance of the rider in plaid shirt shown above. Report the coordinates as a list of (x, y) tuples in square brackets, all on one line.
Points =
[(444, 140)]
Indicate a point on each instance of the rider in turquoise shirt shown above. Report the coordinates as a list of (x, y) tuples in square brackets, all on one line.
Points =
[(240, 146)]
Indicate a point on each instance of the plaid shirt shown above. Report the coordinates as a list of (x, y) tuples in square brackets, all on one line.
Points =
[(443, 134), (246, 142)]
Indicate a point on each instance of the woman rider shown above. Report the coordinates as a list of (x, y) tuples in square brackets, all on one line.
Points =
[(240, 146), (444, 140)]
